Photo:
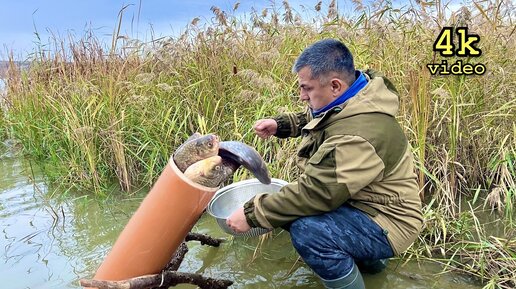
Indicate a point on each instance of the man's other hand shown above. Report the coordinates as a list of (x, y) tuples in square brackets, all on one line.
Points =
[(265, 128), (237, 221)]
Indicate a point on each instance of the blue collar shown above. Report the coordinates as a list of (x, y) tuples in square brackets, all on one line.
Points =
[(359, 83)]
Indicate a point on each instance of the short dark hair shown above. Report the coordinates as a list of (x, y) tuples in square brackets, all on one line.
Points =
[(326, 56)]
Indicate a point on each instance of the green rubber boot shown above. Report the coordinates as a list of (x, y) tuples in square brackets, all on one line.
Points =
[(352, 281)]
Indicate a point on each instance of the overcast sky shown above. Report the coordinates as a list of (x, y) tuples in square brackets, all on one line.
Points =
[(21, 19)]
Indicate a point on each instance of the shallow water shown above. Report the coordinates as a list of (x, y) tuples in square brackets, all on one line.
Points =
[(51, 242)]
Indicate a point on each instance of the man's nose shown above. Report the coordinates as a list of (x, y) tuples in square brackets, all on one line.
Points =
[(303, 96)]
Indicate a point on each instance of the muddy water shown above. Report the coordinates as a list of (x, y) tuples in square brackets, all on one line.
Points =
[(52, 239)]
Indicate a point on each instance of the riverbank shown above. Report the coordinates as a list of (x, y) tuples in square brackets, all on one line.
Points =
[(99, 115)]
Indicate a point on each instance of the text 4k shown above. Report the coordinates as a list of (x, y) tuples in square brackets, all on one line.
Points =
[(465, 48)]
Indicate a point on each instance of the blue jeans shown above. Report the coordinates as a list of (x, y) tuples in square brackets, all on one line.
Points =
[(331, 242)]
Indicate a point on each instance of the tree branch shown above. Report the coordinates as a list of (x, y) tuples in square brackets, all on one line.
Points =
[(204, 239), (166, 279), (179, 255)]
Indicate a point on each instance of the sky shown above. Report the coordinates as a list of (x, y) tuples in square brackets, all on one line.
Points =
[(21, 20)]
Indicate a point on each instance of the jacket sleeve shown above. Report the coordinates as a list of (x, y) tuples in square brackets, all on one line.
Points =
[(290, 124), (340, 168)]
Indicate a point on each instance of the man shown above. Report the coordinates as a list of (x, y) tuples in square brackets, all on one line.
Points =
[(356, 200)]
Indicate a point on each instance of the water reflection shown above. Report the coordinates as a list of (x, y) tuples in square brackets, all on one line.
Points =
[(52, 242)]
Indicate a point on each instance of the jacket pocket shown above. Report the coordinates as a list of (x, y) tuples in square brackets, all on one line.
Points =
[(306, 147), (323, 156)]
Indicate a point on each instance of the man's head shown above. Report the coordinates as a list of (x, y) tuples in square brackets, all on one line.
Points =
[(325, 70)]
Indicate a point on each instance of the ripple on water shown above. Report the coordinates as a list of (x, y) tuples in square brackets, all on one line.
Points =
[(20, 201)]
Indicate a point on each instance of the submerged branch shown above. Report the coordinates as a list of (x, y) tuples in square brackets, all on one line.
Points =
[(165, 279), (179, 255), (204, 239)]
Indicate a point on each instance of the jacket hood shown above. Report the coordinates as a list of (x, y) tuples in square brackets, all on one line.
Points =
[(375, 97)]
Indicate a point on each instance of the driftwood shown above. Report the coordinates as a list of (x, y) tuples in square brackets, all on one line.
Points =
[(165, 279), (169, 276), (204, 239), (178, 257)]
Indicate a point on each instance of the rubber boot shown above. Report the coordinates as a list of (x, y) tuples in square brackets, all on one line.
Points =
[(372, 266), (351, 281)]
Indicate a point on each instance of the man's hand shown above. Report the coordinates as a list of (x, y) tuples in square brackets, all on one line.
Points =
[(265, 128), (237, 221)]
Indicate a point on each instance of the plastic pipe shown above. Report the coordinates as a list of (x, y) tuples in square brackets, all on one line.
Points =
[(157, 228)]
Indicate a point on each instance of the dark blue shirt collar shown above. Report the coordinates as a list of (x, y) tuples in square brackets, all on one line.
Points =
[(360, 82)]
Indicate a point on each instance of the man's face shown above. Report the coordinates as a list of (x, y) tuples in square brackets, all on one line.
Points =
[(315, 94)]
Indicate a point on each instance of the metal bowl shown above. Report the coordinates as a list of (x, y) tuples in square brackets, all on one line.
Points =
[(234, 196)]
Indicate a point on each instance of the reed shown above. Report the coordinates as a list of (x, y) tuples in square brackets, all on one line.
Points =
[(101, 115), (3, 124), (463, 245)]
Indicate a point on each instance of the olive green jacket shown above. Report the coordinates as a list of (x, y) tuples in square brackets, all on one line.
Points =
[(355, 153)]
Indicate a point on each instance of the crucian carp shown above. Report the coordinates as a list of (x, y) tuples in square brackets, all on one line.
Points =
[(196, 159)]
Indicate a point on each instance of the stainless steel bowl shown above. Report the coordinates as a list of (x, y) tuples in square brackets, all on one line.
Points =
[(234, 196)]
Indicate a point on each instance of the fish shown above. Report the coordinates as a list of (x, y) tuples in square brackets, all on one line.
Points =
[(210, 172), (233, 153), (196, 148), (195, 135), (241, 154)]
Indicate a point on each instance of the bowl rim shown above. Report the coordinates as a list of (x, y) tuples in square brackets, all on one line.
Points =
[(222, 190)]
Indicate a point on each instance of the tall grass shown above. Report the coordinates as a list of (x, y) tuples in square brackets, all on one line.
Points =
[(3, 124), (463, 244), (102, 115)]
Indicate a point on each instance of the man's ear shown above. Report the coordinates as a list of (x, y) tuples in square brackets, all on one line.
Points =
[(338, 87)]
